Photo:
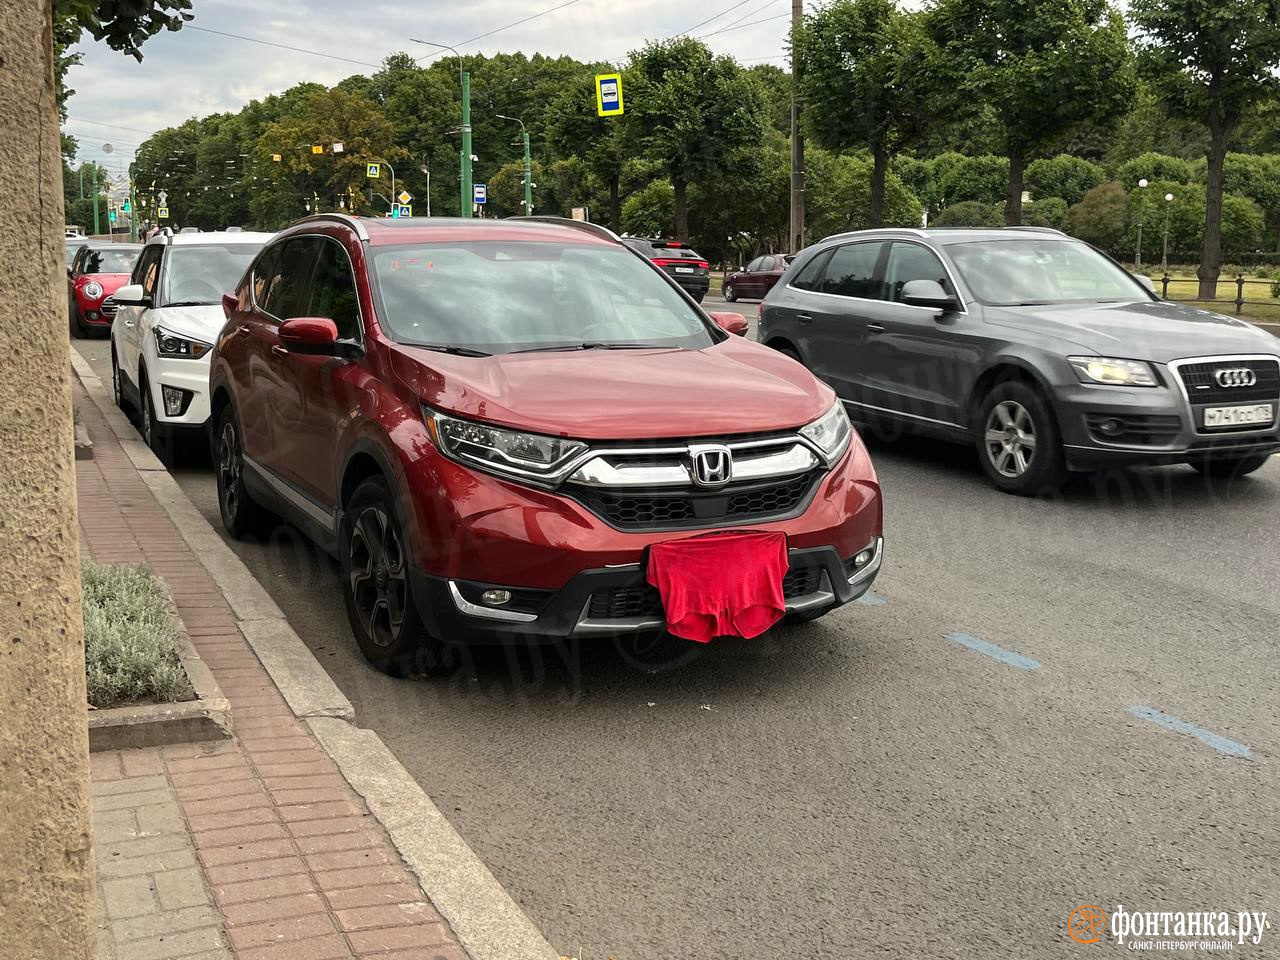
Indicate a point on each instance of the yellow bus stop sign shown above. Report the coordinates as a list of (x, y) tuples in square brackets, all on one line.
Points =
[(609, 94)]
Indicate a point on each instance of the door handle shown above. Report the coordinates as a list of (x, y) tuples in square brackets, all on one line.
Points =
[(876, 327), (804, 318), (128, 323), (242, 330), (278, 350)]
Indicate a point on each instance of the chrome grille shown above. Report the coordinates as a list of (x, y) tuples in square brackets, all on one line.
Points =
[(1203, 389)]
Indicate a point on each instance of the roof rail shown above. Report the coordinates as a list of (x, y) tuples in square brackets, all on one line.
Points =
[(1033, 229), (595, 228), (352, 222), (914, 231)]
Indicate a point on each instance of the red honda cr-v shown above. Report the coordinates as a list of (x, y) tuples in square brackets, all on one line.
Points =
[(489, 424)]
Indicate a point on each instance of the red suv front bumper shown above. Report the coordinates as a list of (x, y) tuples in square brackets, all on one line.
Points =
[(571, 573)]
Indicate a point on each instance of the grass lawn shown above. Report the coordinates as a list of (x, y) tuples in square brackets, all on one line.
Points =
[(130, 638), (1263, 308)]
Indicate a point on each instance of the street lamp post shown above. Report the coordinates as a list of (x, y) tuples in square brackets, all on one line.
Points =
[(465, 79), (1164, 259), (426, 168), (94, 185), (528, 165), (1137, 258)]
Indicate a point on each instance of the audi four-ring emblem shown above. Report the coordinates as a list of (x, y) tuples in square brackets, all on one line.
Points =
[(1235, 377)]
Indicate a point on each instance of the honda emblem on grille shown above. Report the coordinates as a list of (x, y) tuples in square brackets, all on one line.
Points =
[(712, 464), (1235, 377)]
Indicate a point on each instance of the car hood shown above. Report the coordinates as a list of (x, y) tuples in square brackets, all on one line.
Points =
[(733, 387), (1142, 330), (202, 323)]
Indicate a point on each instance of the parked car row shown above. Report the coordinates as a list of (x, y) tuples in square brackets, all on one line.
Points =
[(530, 431)]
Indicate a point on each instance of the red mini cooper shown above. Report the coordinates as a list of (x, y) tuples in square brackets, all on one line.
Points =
[(523, 430), (96, 272)]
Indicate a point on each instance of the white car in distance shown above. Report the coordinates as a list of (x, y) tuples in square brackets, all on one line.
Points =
[(167, 319)]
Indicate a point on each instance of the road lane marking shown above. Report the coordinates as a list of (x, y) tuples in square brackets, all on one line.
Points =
[(1218, 742), (996, 653)]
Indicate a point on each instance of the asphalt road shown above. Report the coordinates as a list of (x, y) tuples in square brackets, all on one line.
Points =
[(947, 771)]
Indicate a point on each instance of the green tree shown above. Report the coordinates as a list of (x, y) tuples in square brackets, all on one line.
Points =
[(692, 112), (1154, 166), (1049, 212), (574, 129), (1063, 176), (838, 195), (1100, 217), (971, 178), (1043, 68), (866, 78), (969, 213), (1210, 60), (651, 211)]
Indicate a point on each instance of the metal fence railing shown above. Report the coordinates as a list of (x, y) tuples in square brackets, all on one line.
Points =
[(1239, 282)]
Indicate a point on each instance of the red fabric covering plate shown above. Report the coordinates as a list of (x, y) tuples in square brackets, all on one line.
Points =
[(720, 584)]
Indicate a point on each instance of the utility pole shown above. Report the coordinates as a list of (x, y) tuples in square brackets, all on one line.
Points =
[(467, 199), (528, 164), (795, 239), (95, 200), (133, 210)]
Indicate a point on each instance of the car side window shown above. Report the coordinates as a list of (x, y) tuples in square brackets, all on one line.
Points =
[(851, 271), (289, 280), (754, 265), (811, 272), (911, 261), (147, 270), (333, 291)]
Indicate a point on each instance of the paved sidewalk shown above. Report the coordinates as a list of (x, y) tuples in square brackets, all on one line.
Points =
[(257, 848)]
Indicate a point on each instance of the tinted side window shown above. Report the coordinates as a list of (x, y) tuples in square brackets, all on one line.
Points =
[(333, 291), (288, 283), (911, 261), (754, 265), (851, 271), (811, 272), (148, 269)]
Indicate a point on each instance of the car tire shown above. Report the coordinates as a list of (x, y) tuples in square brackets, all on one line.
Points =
[(788, 352), (1027, 458), (78, 328), (376, 562), (158, 436), (1228, 468), (117, 384), (729, 295), (241, 514)]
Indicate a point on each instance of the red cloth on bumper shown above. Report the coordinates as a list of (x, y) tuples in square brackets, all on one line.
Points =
[(722, 584)]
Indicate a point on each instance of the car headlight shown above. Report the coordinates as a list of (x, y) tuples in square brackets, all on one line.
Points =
[(830, 433), (1113, 372), (92, 289), (172, 346), (511, 453)]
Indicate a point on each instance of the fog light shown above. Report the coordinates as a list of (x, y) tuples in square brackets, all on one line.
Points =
[(1111, 427), (862, 559), (174, 400), (496, 598), (91, 314)]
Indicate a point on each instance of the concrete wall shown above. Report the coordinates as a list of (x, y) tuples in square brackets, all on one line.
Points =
[(46, 863)]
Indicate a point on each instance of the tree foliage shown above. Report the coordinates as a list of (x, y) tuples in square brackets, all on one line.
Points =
[(1064, 176), (1100, 216)]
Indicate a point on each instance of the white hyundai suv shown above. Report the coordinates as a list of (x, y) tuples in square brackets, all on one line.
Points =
[(167, 319)]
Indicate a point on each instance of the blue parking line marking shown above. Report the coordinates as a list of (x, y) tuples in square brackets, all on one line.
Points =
[(996, 653), (871, 599), (1218, 742)]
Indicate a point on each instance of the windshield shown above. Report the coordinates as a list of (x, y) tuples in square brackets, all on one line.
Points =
[(201, 274), (1006, 273), (503, 297), (110, 260)]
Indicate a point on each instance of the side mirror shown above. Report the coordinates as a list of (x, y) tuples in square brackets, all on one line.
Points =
[(131, 295), (310, 336), (734, 323), (229, 304), (1146, 281), (927, 293)]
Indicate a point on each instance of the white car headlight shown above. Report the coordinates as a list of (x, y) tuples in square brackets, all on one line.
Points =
[(173, 346), (92, 289), (1113, 372), (830, 433), (511, 453)]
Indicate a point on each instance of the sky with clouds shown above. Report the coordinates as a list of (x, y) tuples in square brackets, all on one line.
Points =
[(193, 73)]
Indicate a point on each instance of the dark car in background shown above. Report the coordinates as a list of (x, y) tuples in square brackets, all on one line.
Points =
[(1042, 352), (96, 271), (685, 267), (757, 278)]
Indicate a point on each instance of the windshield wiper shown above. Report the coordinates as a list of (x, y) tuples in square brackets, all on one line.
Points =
[(454, 351), (597, 346), (189, 303)]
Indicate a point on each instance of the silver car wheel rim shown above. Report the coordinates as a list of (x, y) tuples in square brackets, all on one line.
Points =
[(1010, 439)]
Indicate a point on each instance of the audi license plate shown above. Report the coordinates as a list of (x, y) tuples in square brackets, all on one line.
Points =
[(686, 270), (1239, 416)]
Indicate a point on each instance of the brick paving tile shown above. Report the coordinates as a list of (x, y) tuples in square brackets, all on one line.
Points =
[(249, 849)]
